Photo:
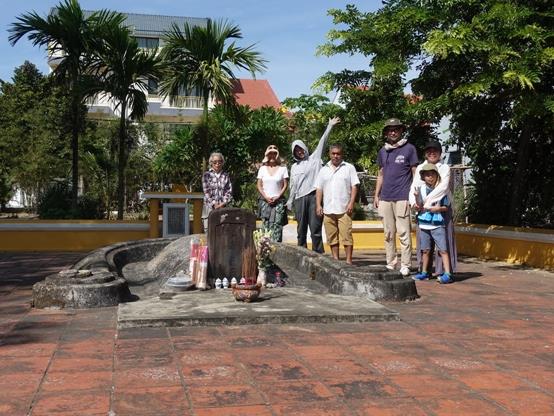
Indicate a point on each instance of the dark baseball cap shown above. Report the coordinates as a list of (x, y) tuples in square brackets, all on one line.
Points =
[(433, 144)]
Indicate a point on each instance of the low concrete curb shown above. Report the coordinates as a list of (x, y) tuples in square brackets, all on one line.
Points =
[(373, 282)]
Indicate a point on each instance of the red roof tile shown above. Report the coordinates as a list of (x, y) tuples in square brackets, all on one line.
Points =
[(255, 93)]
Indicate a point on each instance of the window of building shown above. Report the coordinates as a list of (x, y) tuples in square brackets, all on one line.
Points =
[(148, 43), (153, 87), (190, 92)]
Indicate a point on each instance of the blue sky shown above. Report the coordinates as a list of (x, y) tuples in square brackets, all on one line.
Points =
[(287, 32)]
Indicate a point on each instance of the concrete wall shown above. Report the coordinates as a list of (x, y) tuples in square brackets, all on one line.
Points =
[(533, 247)]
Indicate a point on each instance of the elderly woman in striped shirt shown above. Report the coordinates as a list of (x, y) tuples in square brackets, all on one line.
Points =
[(218, 190)]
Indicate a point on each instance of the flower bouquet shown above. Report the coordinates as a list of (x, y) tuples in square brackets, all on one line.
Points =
[(262, 244)]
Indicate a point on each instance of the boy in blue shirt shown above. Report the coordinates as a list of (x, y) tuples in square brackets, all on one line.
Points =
[(431, 225)]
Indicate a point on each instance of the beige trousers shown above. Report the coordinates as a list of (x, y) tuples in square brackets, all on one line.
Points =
[(396, 219)]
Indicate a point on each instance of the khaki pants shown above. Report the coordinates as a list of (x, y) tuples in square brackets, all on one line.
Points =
[(338, 229), (396, 219)]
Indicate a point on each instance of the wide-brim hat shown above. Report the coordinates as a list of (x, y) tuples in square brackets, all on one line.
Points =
[(427, 167), (271, 149), (393, 122), (433, 144)]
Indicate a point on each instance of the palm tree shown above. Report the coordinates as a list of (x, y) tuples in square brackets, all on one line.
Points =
[(124, 70), (198, 58), (67, 33)]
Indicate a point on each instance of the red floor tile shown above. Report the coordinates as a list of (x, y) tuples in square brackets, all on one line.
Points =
[(361, 387), (328, 368), (76, 402), (81, 364), (299, 391), (388, 407), (147, 377), (461, 404), (15, 404), (427, 384), (277, 369), (224, 396), (202, 374), (524, 402), (82, 380), (150, 401), (326, 408), (258, 410), (489, 380)]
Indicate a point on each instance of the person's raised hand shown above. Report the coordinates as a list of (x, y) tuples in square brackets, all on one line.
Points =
[(333, 121)]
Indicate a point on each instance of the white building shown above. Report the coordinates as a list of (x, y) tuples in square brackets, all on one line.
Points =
[(148, 30)]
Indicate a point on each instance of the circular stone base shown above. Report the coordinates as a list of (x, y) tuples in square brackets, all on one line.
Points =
[(80, 289)]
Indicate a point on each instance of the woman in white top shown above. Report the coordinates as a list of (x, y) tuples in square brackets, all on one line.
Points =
[(272, 184), (432, 152)]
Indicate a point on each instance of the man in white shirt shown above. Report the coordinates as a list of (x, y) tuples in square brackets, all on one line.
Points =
[(336, 189)]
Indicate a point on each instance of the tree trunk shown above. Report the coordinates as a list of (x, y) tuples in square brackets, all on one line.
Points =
[(74, 153), (122, 161), (516, 201), (205, 139)]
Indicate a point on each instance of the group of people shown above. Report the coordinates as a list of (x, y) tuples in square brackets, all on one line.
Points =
[(404, 184), (324, 195)]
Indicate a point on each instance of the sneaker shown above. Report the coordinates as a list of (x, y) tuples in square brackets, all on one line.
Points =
[(389, 268), (421, 276), (445, 278), (405, 271)]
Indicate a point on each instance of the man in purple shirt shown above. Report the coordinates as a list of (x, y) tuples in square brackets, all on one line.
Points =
[(397, 162)]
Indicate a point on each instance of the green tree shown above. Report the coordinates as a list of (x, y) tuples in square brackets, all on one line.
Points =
[(67, 34), (201, 58), (310, 114), (179, 161), (124, 71), (34, 114), (240, 134), (488, 66)]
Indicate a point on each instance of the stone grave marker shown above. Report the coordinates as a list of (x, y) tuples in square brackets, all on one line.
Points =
[(229, 233)]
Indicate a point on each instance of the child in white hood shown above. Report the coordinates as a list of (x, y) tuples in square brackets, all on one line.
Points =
[(302, 199)]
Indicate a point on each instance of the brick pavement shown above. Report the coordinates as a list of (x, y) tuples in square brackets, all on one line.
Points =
[(481, 346)]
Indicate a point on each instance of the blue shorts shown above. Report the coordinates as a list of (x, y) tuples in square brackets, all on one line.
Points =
[(438, 235)]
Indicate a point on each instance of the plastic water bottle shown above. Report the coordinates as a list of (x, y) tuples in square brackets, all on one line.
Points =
[(225, 283), (218, 283), (233, 281)]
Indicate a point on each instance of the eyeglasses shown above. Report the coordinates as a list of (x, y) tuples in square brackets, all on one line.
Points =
[(217, 162)]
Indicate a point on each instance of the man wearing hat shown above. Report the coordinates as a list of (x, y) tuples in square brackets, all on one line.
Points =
[(432, 154), (397, 161)]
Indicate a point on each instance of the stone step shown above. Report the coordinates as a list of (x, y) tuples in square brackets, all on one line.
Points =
[(275, 306)]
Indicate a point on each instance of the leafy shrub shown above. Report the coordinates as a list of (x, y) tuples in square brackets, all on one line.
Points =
[(55, 203)]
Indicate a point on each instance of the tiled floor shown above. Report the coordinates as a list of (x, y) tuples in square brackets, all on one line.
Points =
[(481, 346)]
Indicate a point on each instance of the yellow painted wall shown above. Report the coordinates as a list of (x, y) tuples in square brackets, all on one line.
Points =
[(65, 239), (482, 241), (370, 237), (512, 250)]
